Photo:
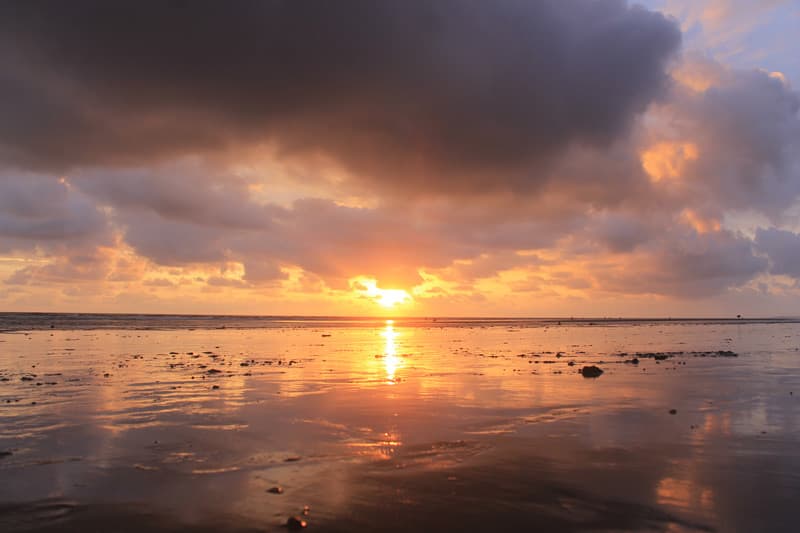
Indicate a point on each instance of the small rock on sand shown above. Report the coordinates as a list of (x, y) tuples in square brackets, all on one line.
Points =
[(673, 411), (292, 459), (591, 371), (295, 523), (275, 490)]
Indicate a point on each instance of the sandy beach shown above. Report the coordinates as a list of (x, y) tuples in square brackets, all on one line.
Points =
[(692, 426)]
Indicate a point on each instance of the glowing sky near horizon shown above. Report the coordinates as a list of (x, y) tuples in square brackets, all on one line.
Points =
[(580, 158)]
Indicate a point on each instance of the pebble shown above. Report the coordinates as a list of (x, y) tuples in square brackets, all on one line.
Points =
[(591, 371), (295, 523), (673, 411), (275, 490)]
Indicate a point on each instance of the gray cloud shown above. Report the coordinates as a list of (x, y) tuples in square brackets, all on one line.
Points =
[(748, 131), (783, 249), (450, 95), (685, 264), (43, 211)]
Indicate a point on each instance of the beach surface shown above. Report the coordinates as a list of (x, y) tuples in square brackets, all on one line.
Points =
[(115, 423)]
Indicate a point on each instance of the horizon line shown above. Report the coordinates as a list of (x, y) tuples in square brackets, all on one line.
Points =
[(412, 317)]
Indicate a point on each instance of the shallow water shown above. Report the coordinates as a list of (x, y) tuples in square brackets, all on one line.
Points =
[(379, 426)]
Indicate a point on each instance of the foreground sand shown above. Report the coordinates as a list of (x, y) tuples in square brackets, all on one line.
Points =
[(396, 428)]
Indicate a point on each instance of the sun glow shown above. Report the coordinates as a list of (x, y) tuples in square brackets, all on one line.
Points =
[(392, 297), (387, 298)]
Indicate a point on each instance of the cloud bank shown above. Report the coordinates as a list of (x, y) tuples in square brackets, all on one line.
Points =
[(561, 152)]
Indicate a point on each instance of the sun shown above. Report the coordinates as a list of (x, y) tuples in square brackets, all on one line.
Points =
[(386, 298), (390, 297)]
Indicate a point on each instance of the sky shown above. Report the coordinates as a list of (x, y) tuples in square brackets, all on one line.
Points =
[(450, 158)]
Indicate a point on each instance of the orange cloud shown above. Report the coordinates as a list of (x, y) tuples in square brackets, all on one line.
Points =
[(668, 160)]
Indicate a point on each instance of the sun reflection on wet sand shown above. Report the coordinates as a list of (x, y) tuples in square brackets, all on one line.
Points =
[(391, 361)]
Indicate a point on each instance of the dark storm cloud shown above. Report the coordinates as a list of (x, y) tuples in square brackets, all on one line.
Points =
[(474, 94)]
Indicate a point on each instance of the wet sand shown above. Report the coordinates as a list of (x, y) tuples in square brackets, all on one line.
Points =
[(402, 427)]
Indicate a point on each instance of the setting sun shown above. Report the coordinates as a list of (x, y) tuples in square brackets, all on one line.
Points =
[(392, 297), (386, 298)]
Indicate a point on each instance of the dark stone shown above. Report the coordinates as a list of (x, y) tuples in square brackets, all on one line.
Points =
[(275, 490), (295, 523), (591, 371), (673, 411)]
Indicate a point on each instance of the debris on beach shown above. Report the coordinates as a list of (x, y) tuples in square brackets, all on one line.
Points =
[(663, 356), (275, 490), (591, 371)]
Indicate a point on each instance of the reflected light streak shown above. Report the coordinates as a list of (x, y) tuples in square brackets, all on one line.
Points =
[(391, 361)]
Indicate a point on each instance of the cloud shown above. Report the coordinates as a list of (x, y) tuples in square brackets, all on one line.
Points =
[(456, 95), (688, 265), (460, 150), (46, 212), (783, 249)]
